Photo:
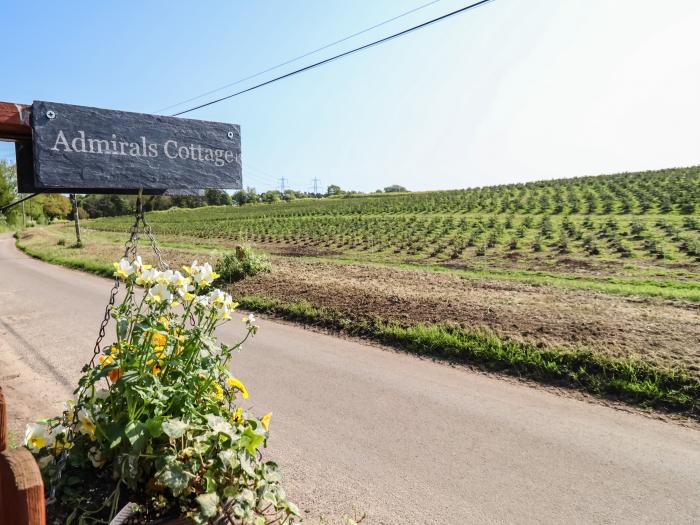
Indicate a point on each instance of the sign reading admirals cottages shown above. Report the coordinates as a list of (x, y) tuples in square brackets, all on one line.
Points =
[(82, 149)]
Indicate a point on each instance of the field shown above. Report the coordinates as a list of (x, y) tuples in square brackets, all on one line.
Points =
[(511, 277)]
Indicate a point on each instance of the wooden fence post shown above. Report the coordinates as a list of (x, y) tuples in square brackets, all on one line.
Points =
[(21, 487)]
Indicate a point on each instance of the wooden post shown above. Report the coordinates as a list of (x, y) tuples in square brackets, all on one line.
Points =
[(76, 217), (21, 487), (3, 422)]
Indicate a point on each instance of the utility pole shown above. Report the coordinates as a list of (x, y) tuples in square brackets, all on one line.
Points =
[(282, 181), (316, 183), (76, 217)]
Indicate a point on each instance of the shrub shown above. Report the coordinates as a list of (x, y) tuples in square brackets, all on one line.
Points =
[(244, 262)]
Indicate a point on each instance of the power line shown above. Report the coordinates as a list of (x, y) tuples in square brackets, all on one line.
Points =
[(287, 62), (282, 181), (336, 57), (316, 181)]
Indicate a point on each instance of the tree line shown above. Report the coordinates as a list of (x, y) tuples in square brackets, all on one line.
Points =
[(46, 208)]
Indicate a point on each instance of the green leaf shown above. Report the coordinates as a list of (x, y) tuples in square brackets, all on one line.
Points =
[(122, 328), (209, 503), (136, 434), (251, 440), (173, 476), (174, 428), (259, 520), (229, 459), (246, 464), (114, 434), (153, 426)]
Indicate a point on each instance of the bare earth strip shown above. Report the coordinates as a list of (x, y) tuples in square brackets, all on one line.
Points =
[(663, 332), (408, 441)]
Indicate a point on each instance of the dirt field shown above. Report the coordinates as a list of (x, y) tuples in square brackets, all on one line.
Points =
[(663, 332)]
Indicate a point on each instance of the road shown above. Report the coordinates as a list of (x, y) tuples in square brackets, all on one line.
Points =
[(404, 440)]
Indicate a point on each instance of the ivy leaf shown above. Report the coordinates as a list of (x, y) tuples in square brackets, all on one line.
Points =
[(136, 434), (174, 428), (173, 476), (209, 503), (153, 426), (246, 465), (251, 440), (113, 433), (229, 459), (122, 328)]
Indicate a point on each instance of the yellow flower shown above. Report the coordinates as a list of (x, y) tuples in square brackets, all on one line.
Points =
[(158, 339), (235, 383), (164, 321), (106, 359), (219, 391), (238, 416), (157, 369), (87, 425), (114, 374), (266, 420)]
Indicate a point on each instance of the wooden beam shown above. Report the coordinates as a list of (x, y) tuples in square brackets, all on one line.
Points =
[(14, 121), (21, 489)]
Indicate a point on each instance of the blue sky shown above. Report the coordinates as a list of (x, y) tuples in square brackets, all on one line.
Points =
[(513, 91)]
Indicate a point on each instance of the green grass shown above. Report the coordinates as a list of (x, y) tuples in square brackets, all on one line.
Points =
[(626, 234), (625, 379), (630, 380)]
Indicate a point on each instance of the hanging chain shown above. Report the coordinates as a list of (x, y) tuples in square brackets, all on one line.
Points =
[(130, 253)]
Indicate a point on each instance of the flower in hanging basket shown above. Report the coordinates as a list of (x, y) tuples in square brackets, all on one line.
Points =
[(157, 419)]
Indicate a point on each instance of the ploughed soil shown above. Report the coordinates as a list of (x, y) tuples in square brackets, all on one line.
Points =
[(664, 332), (667, 333)]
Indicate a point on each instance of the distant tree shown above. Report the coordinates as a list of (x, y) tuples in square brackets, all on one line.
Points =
[(290, 195), (394, 188), (55, 205), (271, 196), (8, 187), (334, 189), (216, 197), (246, 196), (107, 205)]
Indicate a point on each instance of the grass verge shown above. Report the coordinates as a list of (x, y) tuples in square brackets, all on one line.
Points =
[(630, 380)]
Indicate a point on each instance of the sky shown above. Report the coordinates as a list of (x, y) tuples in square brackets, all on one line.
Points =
[(513, 91)]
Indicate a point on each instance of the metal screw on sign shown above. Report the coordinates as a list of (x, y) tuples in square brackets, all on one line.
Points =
[(51, 114), (230, 134)]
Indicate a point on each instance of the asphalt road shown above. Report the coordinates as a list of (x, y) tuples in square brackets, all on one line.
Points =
[(405, 440)]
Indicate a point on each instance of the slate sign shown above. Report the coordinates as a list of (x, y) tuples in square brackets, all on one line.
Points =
[(81, 149)]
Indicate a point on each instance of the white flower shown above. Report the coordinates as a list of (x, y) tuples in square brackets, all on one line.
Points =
[(179, 280), (139, 266), (164, 277), (96, 457), (86, 424), (37, 436), (202, 275), (160, 293), (249, 319), (101, 394), (147, 277), (202, 300), (123, 268)]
